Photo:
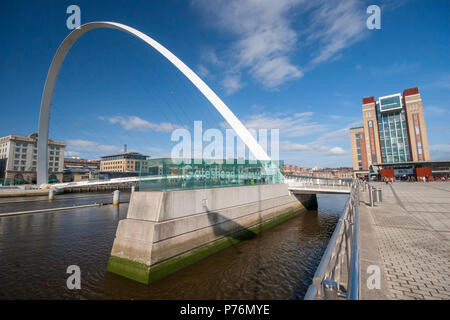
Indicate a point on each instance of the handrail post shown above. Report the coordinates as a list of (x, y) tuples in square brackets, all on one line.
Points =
[(330, 289)]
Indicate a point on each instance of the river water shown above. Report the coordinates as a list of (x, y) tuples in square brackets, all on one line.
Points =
[(36, 249)]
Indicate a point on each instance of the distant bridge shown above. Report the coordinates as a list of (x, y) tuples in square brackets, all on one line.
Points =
[(314, 185)]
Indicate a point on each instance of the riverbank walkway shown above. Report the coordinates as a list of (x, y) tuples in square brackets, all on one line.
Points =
[(408, 237)]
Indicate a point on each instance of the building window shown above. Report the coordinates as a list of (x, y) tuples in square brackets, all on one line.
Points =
[(17, 149), (16, 168), (24, 156)]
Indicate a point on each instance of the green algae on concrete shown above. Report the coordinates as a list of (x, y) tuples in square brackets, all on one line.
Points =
[(129, 269), (147, 274)]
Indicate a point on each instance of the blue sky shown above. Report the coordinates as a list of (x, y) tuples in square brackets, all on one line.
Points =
[(300, 66)]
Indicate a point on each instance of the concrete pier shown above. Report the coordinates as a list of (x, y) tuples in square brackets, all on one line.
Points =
[(408, 237), (116, 197), (165, 231)]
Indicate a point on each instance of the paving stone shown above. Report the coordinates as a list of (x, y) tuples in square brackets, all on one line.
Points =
[(414, 244), (414, 295)]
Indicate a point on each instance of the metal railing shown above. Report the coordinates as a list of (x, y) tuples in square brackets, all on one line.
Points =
[(319, 183), (338, 273)]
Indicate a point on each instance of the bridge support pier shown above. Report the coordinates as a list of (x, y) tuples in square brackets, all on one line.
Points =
[(165, 231), (308, 200)]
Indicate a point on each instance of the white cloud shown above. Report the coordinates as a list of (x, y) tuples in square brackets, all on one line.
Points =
[(392, 5), (321, 145), (70, 153), (289, 146), (336, 117), (264, 36), (210, 56), (267, 36), (202, 71), (295, 125), (311, 148), (232, 83), (276, 71), (335, 25), (136, 123), (336, 150), (86, 145), (301, 125), (340, 134)]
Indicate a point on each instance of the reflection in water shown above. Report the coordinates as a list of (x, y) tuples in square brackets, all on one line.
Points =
[(279, 263)]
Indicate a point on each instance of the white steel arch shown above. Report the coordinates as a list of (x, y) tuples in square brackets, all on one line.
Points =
[(47, 95)]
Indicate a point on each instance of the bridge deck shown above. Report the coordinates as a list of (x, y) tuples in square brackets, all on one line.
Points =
[(318, 190), (313, 185)]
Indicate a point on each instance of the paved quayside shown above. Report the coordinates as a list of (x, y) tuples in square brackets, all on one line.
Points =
[(407, 236)]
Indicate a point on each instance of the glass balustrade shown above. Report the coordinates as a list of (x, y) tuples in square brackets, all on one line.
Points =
[(181, 174)]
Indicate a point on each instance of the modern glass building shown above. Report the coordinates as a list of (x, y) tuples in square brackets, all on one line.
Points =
[(393, 131)]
